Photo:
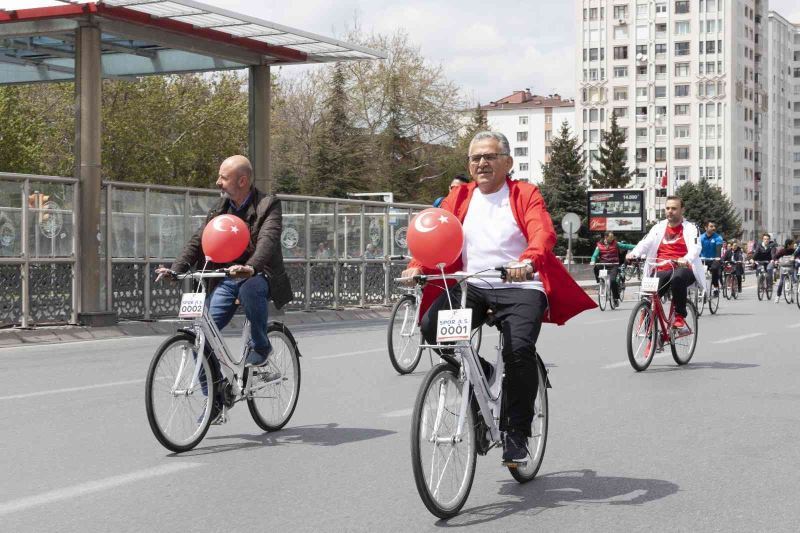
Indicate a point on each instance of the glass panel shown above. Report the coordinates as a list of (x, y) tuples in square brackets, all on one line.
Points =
[(322, 236), (199, 206), (127, 223), (293, 236), (10, 218), (166, 224), (374, 232), (50, 219), (349, 231), (398, 228)]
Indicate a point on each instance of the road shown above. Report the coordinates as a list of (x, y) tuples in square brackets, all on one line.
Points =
[(707, 447)]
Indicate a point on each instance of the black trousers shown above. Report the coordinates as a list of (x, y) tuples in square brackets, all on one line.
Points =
[(714, 267), (678, 282), (613, 272), (520, 312)]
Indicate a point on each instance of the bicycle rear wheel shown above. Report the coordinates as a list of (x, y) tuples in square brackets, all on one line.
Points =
[(601, 295), (443, 461), (642, 336), (788, 290), (761, 287), (403, 335), (683, 344), (272, 402), (734, 288), (179, 413), (538, 439)]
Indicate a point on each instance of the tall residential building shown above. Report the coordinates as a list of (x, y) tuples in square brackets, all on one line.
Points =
[(529, 121), (780, 195), (684, 78)]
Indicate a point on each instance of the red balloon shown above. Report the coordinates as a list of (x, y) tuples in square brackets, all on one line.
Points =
[(435, 237), (225, 238)]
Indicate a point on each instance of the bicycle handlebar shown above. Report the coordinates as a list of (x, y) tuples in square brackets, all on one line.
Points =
[(500, 273)]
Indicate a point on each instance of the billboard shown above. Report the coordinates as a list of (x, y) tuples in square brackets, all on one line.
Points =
[(616, 210)]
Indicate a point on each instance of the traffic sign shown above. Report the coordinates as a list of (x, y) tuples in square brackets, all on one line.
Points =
[(571, 223)]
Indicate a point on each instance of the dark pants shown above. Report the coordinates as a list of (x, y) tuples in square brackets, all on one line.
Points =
[(714, 267), (520, 312), (678, 282), (613, 272)]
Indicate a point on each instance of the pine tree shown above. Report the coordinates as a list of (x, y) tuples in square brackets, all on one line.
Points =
[(703, 202), (397, 162), (613, 173), (564, 187)]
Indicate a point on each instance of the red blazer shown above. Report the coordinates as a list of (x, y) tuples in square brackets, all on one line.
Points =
[(565, 297)]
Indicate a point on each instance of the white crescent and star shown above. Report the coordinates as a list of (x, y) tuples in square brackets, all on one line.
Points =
[(217, 223), (421, 226)]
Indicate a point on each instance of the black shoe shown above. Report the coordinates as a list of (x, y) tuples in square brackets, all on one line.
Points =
[(515, 448)]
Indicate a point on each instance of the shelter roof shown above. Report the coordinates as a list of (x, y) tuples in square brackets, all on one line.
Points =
[(145, 37)]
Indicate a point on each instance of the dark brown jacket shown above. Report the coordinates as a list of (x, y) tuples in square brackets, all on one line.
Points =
[(263, 218)]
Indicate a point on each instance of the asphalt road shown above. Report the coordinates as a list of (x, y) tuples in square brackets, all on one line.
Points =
[(708, 447)]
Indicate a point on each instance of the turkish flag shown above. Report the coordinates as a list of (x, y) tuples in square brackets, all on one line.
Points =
[(664, 179)]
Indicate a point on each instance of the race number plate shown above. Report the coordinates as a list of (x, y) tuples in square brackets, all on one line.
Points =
[(603, 274), (649, 284), (192, 305), (455, 325)]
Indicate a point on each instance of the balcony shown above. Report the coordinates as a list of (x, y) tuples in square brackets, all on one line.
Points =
[(641, 118)]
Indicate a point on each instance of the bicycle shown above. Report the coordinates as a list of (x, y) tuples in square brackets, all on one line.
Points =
[(604, 292), (786, 278), (705, 294), (650, 328), (403, 335), (457, 414), (730, 282), (763, 287), (634, 269), (180, 399)]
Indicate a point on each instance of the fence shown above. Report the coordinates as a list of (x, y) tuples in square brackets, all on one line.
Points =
[(336, 251)]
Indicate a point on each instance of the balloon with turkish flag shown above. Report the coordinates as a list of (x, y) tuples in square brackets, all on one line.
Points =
[(435, 237), (225, 238)]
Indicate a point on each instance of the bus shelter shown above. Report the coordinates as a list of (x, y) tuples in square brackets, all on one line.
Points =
[(84, 42)]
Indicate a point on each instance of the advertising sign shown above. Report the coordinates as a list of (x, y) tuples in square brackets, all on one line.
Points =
[(616, 210)]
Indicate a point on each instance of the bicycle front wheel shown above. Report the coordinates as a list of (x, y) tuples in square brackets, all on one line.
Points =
[(713, 301), (788, 290), (684, 343), (442, 459), (761, 287), (538, 439), (403, 335), (601, 295), (178, 406), (272, 390), (642, 336)]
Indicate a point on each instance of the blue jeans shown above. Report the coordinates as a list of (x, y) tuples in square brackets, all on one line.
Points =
[(253, 294)]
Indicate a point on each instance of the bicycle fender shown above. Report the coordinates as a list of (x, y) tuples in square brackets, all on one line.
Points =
[(545, 373), (286, 331)]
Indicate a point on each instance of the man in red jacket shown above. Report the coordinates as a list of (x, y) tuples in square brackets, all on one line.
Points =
[(506, 223)]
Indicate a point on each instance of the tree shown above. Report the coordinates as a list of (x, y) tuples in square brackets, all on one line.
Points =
[(613, 173), (563, 186), (19, 133), (703, 202)]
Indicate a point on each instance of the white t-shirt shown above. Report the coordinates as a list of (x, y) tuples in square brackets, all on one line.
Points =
[(492, 238)]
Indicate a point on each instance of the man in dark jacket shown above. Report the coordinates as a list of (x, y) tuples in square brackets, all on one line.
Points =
[(258, 274), (764, 252)]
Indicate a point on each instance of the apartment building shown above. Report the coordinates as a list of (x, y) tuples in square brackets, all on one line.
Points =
[(529, 121), (780, 194), (685, 80)]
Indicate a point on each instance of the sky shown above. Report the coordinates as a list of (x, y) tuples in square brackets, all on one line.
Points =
[(489, 49)]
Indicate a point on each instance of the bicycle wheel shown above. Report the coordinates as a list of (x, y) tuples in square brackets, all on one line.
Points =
[(713, 301), (797, 293), (768, 289), (621, 290), (272, 403), (403, 335), (601, 295), (538, 439), (734, 288), (628, 273), (642, 336), (443, 461), (761, 287), (788, 290), (683, 344), (475, 339), (179, 413)]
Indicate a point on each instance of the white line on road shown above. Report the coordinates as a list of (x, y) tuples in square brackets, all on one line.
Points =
[(45, 345), (627, 363), (399, 413), (794, 326), (739, 338), (83, 489), (71, 389), (348, 354)]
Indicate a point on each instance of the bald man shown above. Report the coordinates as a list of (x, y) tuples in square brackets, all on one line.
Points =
[(258, 274)]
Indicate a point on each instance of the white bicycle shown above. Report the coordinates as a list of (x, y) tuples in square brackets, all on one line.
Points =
[(182, 401), (457, 416)]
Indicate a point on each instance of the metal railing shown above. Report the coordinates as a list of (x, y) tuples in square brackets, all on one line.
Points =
[(336, 251)]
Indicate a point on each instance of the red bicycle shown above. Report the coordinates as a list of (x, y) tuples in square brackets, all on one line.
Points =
[(650, 328)]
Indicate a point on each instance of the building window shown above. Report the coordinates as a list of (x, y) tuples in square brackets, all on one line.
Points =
[(594, 54), (523, 167), (710, 47), (594, 136), (620, 93), (523, 120), (641, 155), (681, 173), (620, 12), (682, 69), (548, 135), (683, 27), (641, 49), (660, 49), (520, 152), (621, 112), (681, 152), (682, 48), (681, 131), (621, 32), (681, 109), (522, 136), (641, 134), (620, 72), (661, 8), (681, 7), (620, 52), (641, 93), (660, 154), (682, 89), (642, 11), (661, 72), (661, 91), (593, 115), (642, 32)]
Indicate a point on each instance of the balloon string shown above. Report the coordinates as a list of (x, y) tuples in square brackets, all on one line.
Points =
[(200, 280), (446, 288)]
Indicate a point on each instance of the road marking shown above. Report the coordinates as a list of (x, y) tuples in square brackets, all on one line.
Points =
[(91, 487), (348, 354), (45, 344), (399, 413), (739, 338), (794, 326), (71, 389), (604, 321), (627, 363)]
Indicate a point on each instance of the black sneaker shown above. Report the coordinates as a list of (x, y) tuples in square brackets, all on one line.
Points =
[(515, 448)]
